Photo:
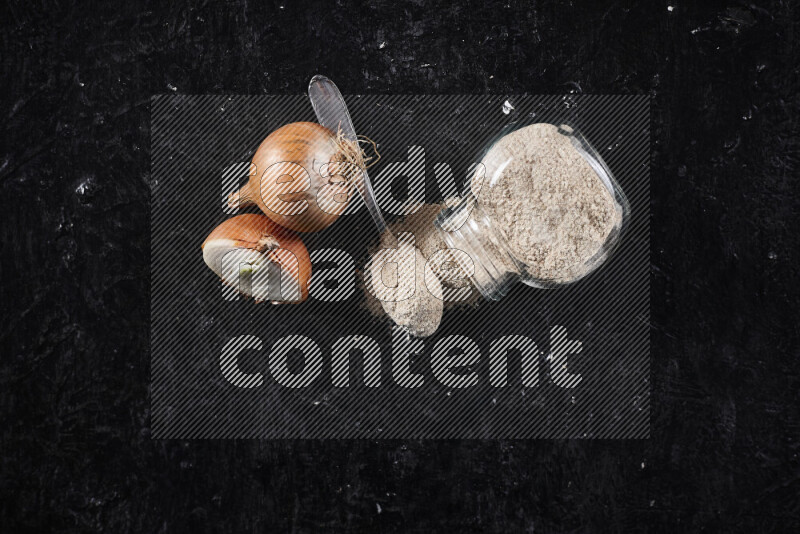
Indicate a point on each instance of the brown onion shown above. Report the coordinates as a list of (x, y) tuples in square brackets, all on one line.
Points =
[(242, 249), (303, 178)]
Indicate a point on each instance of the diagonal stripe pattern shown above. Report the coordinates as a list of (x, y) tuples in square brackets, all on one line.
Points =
[(571, 362)]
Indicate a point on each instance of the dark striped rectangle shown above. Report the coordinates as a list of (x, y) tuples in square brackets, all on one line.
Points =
[(201, 146)]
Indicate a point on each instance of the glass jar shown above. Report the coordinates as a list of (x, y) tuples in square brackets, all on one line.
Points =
[(542, 207)]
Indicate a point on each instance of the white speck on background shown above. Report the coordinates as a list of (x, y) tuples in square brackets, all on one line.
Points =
[(507, 107), (83, 187)]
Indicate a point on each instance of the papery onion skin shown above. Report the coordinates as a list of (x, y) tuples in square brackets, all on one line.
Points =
[(289, 151), (259, 233)]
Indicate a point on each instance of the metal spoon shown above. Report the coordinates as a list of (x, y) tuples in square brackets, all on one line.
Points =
[(332, 113)]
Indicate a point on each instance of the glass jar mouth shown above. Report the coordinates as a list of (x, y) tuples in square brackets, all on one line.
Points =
[(491, 266)]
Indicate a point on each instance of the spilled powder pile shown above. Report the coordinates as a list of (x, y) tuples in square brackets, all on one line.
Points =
[(421, 314), (430, 243), (553, 209)]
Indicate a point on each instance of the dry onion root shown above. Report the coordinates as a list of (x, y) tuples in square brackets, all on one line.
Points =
[(258, 258), (304, 176)]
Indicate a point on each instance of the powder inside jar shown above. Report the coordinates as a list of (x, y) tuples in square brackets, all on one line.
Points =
[(551, 206)]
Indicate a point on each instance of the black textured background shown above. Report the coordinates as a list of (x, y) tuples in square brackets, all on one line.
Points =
[(77, 81)]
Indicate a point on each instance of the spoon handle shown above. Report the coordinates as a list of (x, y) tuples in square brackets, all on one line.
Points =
[(332, 113)]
